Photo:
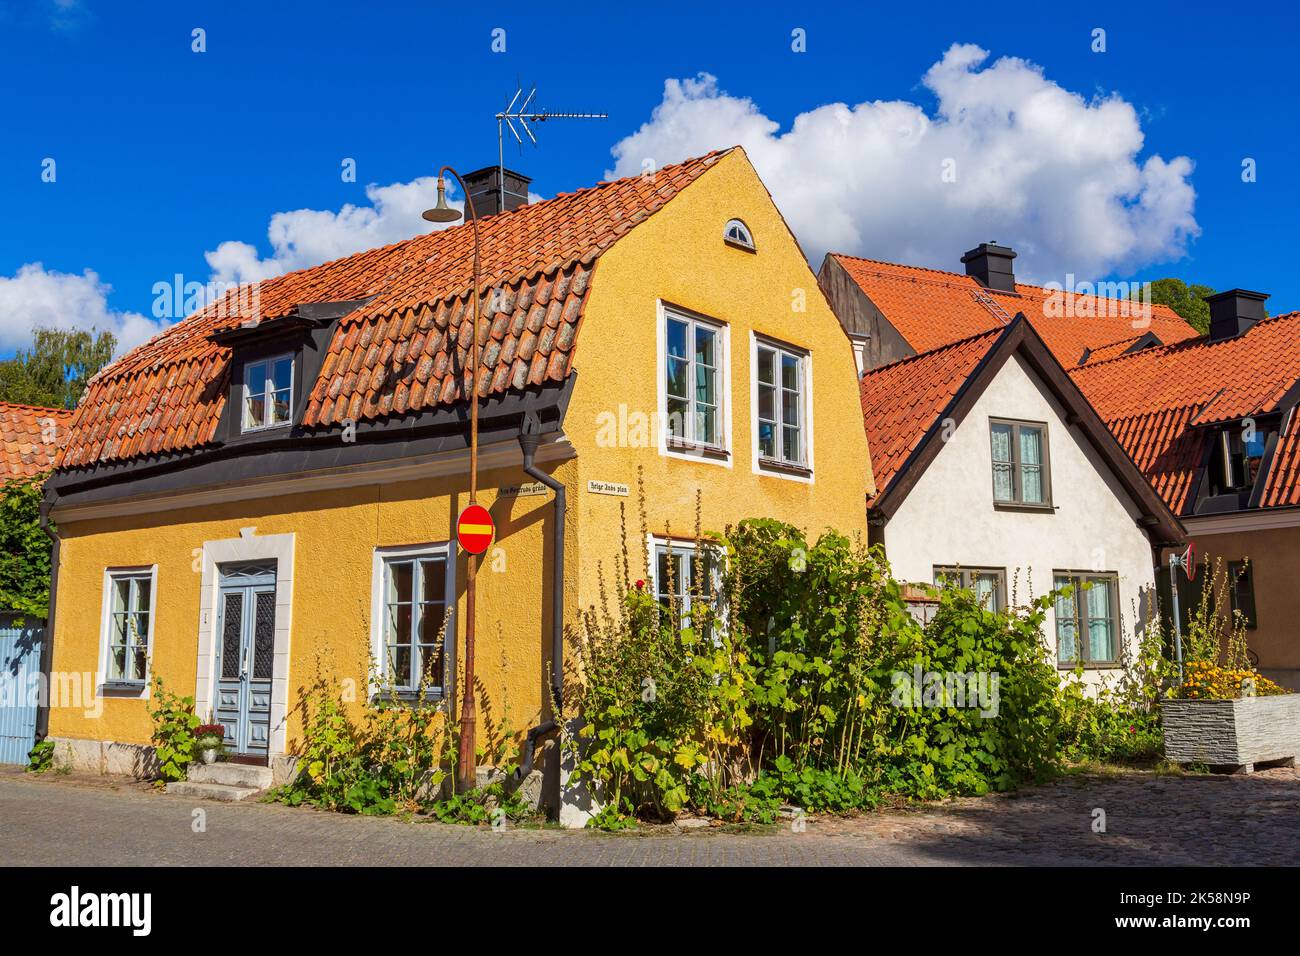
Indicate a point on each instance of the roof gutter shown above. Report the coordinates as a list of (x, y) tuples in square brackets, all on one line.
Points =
[(529, 438)]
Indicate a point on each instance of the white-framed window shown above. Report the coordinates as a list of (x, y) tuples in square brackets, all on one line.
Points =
[(414, 600), (737, 233), (129, 597), (268, 393), (694, 383), (780, 414), (684, 577)]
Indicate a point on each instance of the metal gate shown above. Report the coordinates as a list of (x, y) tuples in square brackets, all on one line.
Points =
[(20, 668)]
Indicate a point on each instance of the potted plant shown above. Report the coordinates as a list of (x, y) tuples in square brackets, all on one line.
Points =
[(208, 740), (1230, 717), (1224, 713)]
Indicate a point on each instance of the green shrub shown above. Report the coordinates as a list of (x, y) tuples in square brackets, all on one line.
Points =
[(174, 723), (490, 804), (41, 757), (392, 759)]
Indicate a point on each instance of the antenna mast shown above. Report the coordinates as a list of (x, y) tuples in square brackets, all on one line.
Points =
[(525, 114)]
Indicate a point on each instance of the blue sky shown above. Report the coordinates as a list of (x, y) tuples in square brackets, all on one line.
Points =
[(163, 154)]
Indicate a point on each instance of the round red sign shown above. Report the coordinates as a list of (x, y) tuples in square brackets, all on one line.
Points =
[(474, 529)]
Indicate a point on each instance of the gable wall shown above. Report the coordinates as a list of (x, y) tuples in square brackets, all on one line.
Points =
[(949, 518)]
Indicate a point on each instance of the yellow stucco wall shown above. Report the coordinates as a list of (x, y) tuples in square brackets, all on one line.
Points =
[(337, 533), (678, 255)]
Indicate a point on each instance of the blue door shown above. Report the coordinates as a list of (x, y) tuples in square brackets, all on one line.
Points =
[(20, 668), (245, 657)]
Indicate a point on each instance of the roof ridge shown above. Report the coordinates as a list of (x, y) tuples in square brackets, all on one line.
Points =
[(189, 322), (996, 330), (1164, 348), (37, 408)]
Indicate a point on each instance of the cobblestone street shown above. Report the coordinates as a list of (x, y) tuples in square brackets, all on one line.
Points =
[(1149, 819)]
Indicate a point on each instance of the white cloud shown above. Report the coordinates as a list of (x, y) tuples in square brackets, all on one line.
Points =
[(308, 237), (1037, 167), (35, 297)]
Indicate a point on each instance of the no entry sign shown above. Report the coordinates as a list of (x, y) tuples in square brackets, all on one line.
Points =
[(474, 529)]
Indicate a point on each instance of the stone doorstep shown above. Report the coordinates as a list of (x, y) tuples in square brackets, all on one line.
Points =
[(210, 791), (231, 775)]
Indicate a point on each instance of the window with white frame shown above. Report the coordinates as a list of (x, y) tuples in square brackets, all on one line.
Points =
[(128, 625), (416, 625), (693, 381), (268, 393), (738, 234), (685, 578), (782, 435)]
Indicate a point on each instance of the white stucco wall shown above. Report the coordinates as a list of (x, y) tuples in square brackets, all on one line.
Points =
[(949, 518)]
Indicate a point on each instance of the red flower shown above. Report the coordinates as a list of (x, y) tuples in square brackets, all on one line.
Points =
[(640, 584)]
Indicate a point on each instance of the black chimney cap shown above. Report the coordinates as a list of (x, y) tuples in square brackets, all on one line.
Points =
[(989, 264), (1233, 312), (484, 187)]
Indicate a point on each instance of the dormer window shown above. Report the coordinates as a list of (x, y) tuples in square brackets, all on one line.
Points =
[(1236, 457), (738, 234), (268, 393)]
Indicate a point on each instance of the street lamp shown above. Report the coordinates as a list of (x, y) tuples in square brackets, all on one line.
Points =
[(465, 762)]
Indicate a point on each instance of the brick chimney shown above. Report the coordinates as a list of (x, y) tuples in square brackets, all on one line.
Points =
[(990, 265), (1232, 313), (484, 188)]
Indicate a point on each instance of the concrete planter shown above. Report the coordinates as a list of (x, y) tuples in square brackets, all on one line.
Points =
[(1232, 733)]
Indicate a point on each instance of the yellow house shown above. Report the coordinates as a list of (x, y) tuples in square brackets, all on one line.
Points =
[(272, 485)]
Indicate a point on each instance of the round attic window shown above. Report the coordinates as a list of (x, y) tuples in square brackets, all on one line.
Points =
[(737, 234)]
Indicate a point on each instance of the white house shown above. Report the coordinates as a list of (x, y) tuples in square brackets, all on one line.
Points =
[(993, 469)]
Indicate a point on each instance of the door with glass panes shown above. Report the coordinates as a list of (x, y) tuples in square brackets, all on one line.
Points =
[(245, 657)]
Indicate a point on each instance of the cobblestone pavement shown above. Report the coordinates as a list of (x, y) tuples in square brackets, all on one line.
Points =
[(1149, 819)]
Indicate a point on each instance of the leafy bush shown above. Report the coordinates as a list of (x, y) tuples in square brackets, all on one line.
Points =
[(490, 804), (24, 550), (41, 757), (387, 761), (174, 724), (782, 687)]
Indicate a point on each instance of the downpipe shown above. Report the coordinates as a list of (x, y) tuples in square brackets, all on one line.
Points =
[(529, 438)]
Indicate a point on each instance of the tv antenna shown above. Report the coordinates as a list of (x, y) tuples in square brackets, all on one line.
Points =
[(526, 114)]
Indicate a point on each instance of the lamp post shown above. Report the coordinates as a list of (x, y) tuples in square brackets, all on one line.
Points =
[(465, 761)]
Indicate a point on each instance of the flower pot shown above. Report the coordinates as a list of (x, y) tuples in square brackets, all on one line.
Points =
[(209, 755), (1237, 733)]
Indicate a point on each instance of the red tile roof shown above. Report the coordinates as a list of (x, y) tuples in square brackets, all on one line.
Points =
[(902, 400), (930, 308), (1154, 399), (405, 349), (29, 439)]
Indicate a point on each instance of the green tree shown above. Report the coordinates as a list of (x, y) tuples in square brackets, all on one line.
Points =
[(24, 549), (53, 373), (1187, 300)]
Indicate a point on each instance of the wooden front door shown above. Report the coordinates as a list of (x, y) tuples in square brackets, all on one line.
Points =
[(245, 657)]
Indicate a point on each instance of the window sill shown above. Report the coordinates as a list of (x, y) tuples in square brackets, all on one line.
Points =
[(121, 688), (1066, 666), (710, 452), (1045, 508), (409, 698), (742, 246), (784, 468)]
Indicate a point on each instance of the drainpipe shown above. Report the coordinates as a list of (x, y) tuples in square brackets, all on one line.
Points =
[(529, 438), (47, 644)]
